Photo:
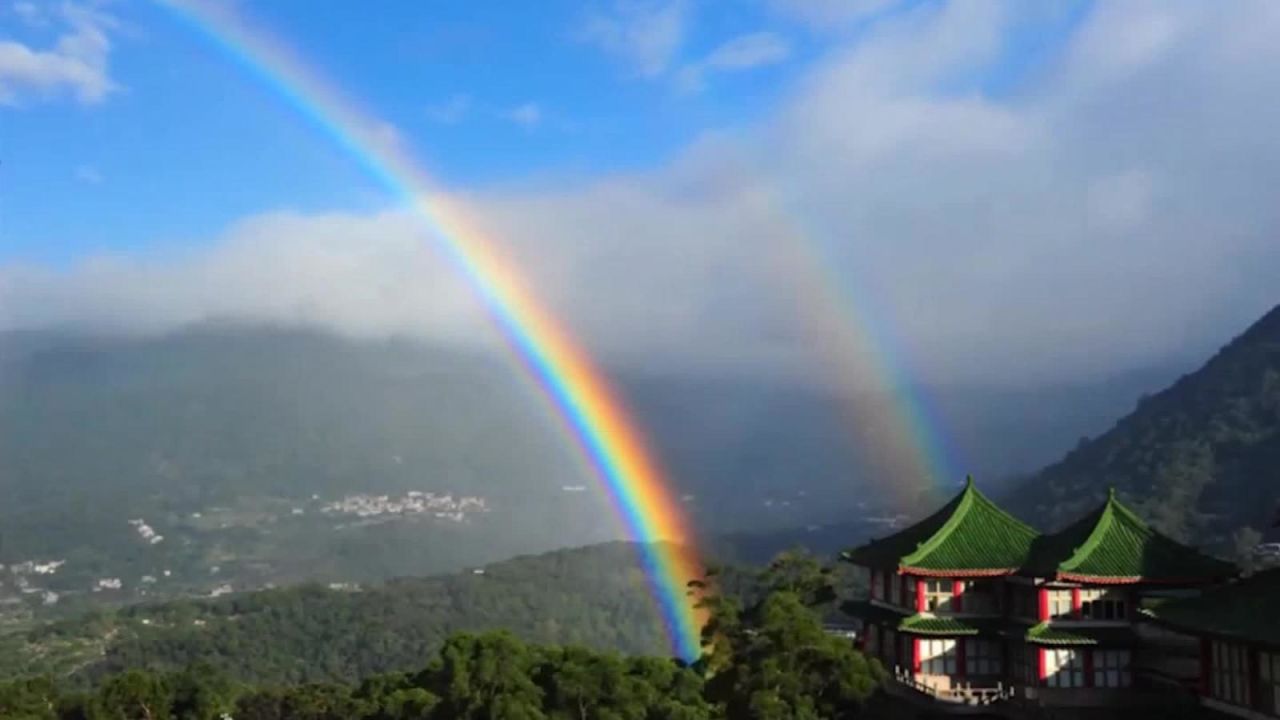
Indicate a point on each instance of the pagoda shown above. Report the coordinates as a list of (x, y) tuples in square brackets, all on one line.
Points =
[(936, 607), (973, 606), (1082, 587)]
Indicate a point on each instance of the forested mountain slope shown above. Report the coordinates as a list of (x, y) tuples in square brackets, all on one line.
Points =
[(1200, 459), (594, 596)]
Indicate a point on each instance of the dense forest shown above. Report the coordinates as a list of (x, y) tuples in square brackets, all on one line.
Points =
[(1201, 459), (765, 657), (594, 597)]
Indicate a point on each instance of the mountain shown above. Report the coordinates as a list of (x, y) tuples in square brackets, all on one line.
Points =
[(221, 455), (1200, 459), (593, 596)]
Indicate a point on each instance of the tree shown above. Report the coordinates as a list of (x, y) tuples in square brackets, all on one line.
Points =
[(483, 677), (132, 695), (772, 658)]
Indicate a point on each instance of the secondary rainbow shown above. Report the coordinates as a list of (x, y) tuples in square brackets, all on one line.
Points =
[(895, 428), (597, 423)]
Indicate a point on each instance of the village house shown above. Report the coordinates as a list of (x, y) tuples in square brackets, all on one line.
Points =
[(970, 607)]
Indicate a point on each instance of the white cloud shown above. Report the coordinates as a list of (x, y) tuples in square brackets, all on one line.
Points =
[(88, 174), (744, 52), (646, 34), (527, 114), (450, 111), (77, 63), (1119, 211)]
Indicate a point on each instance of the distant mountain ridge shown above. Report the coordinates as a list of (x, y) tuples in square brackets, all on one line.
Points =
[(246, 423), (1200, 459)]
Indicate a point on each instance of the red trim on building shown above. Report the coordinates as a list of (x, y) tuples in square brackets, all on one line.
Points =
[(1042, 666), (1043, 613), (1206, 666), (1088, 666), (957, 599), (920, 602), (962, 668), (915, 655), (1132, 580), (1075, 603), (926, 572)]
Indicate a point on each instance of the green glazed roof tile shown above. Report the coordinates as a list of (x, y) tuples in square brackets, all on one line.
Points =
[(1112, 544), (1244, 610), (1048, 634), (969, 536)]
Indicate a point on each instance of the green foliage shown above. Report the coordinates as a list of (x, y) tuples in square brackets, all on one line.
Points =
[(776, 661), (590, 596), (773, 658)]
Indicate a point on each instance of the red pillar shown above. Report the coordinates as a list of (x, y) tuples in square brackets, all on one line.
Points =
[(1206, 667), (1075, 603), (957, 590), (1044, 604), (920, 604), (961, 665), (915, 654), (1042, 668), (1088, 665)]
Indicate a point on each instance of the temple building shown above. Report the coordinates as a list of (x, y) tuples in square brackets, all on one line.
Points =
[(1238, 640), (971, 606)]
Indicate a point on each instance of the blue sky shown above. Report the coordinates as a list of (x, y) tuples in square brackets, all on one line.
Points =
[(1040, 175), (482, 93)]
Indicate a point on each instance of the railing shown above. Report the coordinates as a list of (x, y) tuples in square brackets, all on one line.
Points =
[(963, 694)]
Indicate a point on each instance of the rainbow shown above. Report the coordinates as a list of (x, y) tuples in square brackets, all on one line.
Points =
[(596, 421), (894, 426)]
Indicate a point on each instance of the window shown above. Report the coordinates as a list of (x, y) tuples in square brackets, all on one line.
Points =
[(1269, 685), (1026, 603), (982, 597), (873, 640), (1111, 668), (895, 590), (877, 589), (1024, 663), (889, 647), (1230, 673), (1059, 603), (982, 657), (938, 657), (1103, 605), (1064, 668), (937, 595)]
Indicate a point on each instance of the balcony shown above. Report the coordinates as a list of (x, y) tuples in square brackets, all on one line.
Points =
[(963, 696)]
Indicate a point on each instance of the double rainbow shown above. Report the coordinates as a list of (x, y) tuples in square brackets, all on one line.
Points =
[(581, 396)]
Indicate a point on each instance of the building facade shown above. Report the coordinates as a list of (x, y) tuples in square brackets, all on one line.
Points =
[(972, 606), (1238, 641)]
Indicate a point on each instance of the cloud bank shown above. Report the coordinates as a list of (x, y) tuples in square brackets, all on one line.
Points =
[(1119, 210)]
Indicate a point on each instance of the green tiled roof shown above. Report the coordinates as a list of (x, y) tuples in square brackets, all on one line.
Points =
[(1244, 610), (969, 536), (919, 624), (1047, 634), (931, 625), (1112, 544)]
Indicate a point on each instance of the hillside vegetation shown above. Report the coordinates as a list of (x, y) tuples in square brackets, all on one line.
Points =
[(1200, 459)]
